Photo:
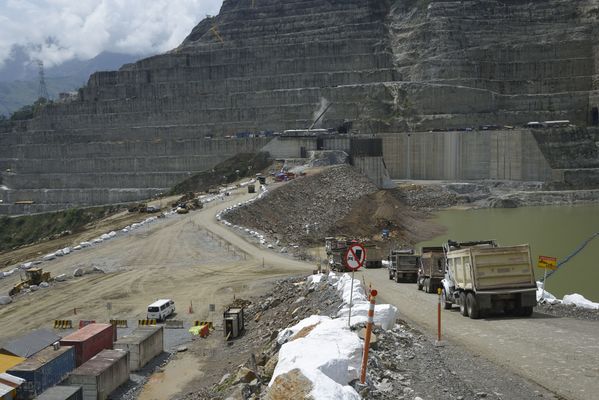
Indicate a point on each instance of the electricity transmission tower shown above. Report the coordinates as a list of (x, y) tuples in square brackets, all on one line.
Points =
[(43, 90)]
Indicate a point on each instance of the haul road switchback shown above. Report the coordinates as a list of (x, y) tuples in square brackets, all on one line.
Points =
[(560, 354)]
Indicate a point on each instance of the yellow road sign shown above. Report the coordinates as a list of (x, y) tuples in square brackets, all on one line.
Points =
[(547, 262)]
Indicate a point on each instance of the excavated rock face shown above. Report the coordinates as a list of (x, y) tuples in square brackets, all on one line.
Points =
[(464, 63), (264, 65)]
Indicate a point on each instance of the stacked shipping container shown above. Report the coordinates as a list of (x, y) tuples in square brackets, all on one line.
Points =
[(43, 370), (102, 374), (90, 340), (143, 345)]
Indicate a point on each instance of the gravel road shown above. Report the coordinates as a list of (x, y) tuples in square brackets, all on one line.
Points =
[(560, 354)]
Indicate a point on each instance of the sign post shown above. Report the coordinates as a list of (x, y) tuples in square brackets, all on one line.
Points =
[(546, 263), (354, 259)]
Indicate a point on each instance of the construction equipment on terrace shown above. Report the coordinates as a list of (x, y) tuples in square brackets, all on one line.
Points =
[(33, 276)]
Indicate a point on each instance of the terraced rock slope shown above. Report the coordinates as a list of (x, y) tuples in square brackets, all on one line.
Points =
[(269, 65)]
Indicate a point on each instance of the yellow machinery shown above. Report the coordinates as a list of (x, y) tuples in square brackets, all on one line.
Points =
[(34, 276)]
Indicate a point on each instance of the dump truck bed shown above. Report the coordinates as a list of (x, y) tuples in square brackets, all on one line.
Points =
[(494, 268)]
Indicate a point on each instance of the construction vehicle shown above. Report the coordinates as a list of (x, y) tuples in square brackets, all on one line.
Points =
[(403, 265), (374, 255), (33, 276), (181, 209), (141, 207), (432, 269), (483, 277)]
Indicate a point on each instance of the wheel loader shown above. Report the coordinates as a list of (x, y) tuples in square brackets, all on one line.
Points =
[(34, 276)]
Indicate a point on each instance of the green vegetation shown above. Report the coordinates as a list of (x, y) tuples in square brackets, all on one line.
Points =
[(20, 231), (238, 166), (17, 94)]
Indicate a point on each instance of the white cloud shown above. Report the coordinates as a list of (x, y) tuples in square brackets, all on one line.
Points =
[(59, 30)]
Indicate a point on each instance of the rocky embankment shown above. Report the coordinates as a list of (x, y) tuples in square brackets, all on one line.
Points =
[(403, 362)]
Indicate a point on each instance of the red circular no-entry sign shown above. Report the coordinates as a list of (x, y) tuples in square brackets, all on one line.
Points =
[(355, 256)]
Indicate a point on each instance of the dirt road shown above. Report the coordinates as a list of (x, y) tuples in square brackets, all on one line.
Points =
[(180, 257), (560, 354), (195, 258)]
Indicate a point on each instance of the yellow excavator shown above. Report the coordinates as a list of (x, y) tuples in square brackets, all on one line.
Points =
[(34, 276)]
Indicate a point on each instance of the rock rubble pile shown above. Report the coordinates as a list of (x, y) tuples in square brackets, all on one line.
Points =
[(305, 208), (403, 363)]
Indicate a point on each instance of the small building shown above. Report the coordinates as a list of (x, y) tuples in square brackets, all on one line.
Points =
[(27, 345)]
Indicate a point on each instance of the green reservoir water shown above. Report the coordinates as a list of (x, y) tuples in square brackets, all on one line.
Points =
[(554, 231)]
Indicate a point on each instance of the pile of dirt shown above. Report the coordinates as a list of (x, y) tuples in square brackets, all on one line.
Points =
[(306, 209), (239, 166), (387, 209), (339, 201)]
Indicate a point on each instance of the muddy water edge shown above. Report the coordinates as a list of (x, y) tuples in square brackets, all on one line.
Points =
[(555, 231)]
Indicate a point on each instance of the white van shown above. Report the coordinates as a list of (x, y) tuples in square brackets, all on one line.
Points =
[(160, 309)]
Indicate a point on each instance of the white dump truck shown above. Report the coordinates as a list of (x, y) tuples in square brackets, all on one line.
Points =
[(483, 277)]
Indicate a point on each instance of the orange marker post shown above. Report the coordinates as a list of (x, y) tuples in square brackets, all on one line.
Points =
[(373, 294)]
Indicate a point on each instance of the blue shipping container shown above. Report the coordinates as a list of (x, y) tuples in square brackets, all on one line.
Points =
[(45, 369)]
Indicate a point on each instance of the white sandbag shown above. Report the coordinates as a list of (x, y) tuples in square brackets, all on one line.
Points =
[(26, 265)]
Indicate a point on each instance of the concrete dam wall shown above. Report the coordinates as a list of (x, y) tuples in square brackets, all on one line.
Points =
[(501, 155), (384, 66)]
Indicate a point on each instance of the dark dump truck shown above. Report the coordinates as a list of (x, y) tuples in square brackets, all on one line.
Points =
[(403, 265), (432, 269)]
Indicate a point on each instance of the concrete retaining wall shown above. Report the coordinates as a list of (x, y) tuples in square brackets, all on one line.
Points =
[(509, 155)]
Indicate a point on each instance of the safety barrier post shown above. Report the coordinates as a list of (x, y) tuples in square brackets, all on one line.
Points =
[(373, 294), (190, 307), (439, 317)]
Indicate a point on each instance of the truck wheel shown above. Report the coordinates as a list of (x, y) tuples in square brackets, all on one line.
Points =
[(390, 275), (524, 311), (446, 305), (419, 284), (472, 305), (429, 286), (463, 309)]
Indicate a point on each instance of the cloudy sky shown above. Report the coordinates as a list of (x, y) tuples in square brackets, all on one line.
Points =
[(60, 30)]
